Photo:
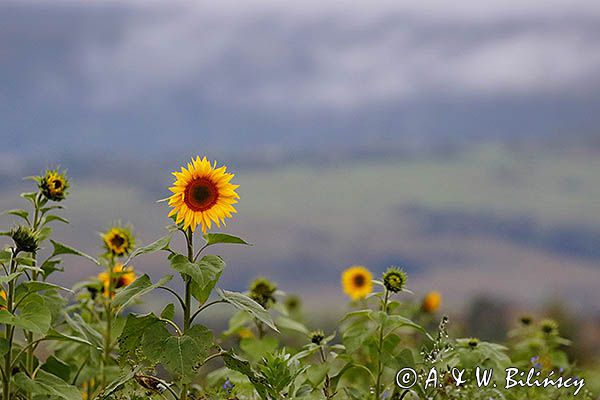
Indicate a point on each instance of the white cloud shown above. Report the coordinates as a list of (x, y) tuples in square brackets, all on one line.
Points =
[(345, 54)]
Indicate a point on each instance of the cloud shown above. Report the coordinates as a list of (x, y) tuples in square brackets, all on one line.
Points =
[(341, 55)]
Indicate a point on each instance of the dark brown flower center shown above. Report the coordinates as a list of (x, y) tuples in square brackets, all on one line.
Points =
[(57, 184), (117, 241), (359, 280), (201, 194)]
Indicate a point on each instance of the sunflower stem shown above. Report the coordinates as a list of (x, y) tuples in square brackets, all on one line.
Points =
[(384, 307), (9, 331), (109, 317), (187, 320)]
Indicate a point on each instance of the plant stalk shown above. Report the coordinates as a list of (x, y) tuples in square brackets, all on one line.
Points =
[(380, 347), (187, 320)]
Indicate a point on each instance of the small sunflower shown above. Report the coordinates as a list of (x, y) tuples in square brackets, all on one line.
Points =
[(357, 282), (473, 342), (118, 240), (431, 302), (202, 195), (245, 333), (317, 337), (53, 185), (121, 277), (394, 279), (549, 326), (3, 295)]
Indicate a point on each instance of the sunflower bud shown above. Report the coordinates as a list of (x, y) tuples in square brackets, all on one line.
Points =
[(394, 279), (549, 326), (25, 239), (473, 342), (317, 337), (292, 303), (262, 291), (118, 240), (525, 320), (54, 185)]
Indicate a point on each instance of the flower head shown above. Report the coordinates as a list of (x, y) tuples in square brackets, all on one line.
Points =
[(357, 282), (526, 320), (473, 342), (25, 238), (262, 291), (317, 337), (292, 303), (202, 195), (121, 277), (119, 240), (3, 295), (431, 302), (245, 333), (394, 279), (54, 184), (549, 326)]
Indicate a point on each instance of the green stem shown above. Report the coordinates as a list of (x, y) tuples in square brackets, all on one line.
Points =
[(187, 320), (380, 347), (9, 332), (109, 318)]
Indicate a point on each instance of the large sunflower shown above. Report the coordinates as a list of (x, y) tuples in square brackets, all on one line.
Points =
[(202, 195), (357, 282)]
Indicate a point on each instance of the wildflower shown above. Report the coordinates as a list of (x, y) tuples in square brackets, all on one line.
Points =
[(3, 295), (526, 320), (202, 195), (118, 240), (317, 337), (535, 362), (53, 185), (245, 333), (549, 327), (262, 291), (121, 277), (228, 386), (394, 279), (357, 282), (431, 302), (473, 342), (25, 238)]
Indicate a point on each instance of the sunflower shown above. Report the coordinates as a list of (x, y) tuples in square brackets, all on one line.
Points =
[(121, 277), (3, 295), (118, 240), (53, 185), (202, 195), (357, 282), (431, 302)]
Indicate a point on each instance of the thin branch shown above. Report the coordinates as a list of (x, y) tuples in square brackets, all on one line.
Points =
[(205, 307), (174, 293)]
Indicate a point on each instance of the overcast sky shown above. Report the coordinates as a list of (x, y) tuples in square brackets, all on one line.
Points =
[(63, 59)]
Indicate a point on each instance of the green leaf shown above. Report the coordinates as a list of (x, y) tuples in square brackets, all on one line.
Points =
[(19, 213), (168, 312), (131, 337), (58, 336), (49, 266), (46, 384), (79, 325), (139, 287), (180, 355), (51, 217), (245, 303), (160, 244), (216, 238), (34, 316), (290, 324), (36, 286), (60, 248), (9, 278), (204, 274)]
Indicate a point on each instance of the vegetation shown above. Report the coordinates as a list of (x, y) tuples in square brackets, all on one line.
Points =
[(84, 342)]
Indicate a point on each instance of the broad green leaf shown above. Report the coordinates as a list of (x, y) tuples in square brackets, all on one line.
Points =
[(44, 233), (216, 238), (258, 348), (180, 355), (46, 384), (36, 286), (34, 315), (60, 248), (160, 244), (131, 337), (204, 274), (245, 303), (49, 266), (139, 287), (58, 367), (85, 330)]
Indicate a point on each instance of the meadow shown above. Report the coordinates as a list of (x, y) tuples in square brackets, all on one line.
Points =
[(120, 333)]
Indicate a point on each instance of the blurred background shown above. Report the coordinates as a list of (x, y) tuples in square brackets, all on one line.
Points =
[(459, 140)]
